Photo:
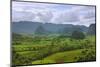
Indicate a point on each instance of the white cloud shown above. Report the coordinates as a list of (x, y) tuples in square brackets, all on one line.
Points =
[(53, 13), (22, 16), (45, 16), (67, 17)]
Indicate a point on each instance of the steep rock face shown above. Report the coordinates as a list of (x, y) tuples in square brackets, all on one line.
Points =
[(92, 29)]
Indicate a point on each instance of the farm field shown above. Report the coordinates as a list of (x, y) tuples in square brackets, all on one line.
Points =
[(44, 50), (64, 57)]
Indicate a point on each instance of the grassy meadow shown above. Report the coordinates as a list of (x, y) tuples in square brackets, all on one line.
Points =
[(29, 50)]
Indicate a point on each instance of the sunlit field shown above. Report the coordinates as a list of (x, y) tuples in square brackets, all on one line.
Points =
[(43, 50)]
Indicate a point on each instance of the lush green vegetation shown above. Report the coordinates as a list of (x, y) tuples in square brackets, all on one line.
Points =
[(51, 49), (69, 56)]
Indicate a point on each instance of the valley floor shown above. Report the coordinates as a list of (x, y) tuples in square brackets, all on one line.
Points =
[(63, 57)]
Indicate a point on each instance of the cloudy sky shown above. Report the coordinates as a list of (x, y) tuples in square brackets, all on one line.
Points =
[(53, 13)]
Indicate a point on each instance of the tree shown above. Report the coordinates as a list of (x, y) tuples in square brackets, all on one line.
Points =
[(77, 35)]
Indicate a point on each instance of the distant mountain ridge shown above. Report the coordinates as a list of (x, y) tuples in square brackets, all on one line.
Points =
[(29, 27)]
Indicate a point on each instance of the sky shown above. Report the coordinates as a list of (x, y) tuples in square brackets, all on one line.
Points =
[(53, 13)]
